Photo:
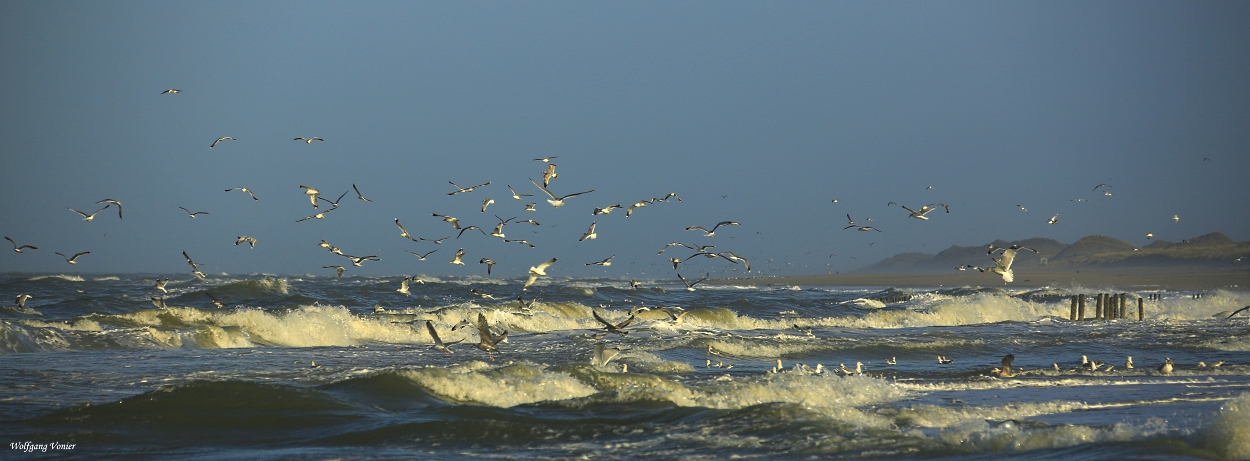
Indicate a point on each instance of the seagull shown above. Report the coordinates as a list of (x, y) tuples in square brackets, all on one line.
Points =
[(603, 355), (244, 189), (403, 232), (605, 210), (1128, 363), (924, 210), (439, 345), (892, 361), (112, 202), (517, 195), (72, 259), (195, 268), (160, 285), (530, 206), (944, 361), (223, 138), (459, 254), (690, 285), (465, 189), (675, 262), (1238, 311), (358, 260), (308, 140), (488, 340), (486, 203), (359, 195), (339, 269), (489, 264), (710, 233), (312, 194), (861, 228), (549, 174), (422, 256), (537, 271), (606, 262), (21, 299), (317, 215), (673, 244), (158, 302), (403, 287), (470, 228), (1007, 361), (558, 202), (1149, 235), (335, 203), (1101, 185), (1106, 193), (545, 159), (521, 241), (193, 215), (531, 221), (1002, 266), (590, 233), (636, 205), (251, 241), (1166, 368), (1176, 218), (171, 91), (1026, 210), (735, 258), (88, 217), (436, 241), (454, 221), (1053, 219), (20, 248), (849, 220), (618, 328), (216, 302), (498, 231)]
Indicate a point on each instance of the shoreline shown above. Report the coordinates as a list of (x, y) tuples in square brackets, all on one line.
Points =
[(1126, 280)]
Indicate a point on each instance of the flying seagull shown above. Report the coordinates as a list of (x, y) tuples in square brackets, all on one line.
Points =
[(459, 254), (618, 328), (1002, 266), (710, 233), (465, 189), (590, 233), (536, 271), (20, 248), (861, 228), (1101, 185), (517, 195), (403, 287), (244, 189), (545, 159), (631, 208), (160, 285), (112, 202), (920, 214), (422, 256), (309, 140), (195, 268), (21, 299), (312, 195), (603, 355), (549, 174), (216, 302), (673, 244), (605, 210), (690, 285), (335, 203), (358, 260), (489, 264), (171, 91), (606, 262), (558, 202), (317, 215), (403, 232), (359, 195), (73, 259), (250, 241), (470, 228), (339, 269), (88, 217), (189, 213), (439, 345), (454, 221), (521, 241), (488, 341), (223, 138), (1053, 219), (486, 203)]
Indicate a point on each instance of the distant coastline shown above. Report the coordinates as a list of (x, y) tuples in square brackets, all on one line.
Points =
[(1183, 279)]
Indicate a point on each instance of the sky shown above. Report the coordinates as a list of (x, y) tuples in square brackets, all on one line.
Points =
[(762, 113)]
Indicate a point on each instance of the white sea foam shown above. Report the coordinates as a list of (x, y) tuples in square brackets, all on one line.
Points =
[(68, 278), (1229, 434), (509, 386)]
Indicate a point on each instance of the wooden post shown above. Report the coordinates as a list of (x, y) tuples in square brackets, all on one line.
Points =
[(1081, 307), (1098, 308), (1141, 309), (1123, 305), (1114, 301), (1072, 314)]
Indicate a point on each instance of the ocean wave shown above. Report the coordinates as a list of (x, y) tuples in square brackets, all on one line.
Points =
[(1229, 434), (508, 386), (68, 278)]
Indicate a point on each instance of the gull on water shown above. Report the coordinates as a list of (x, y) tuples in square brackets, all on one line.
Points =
[(488, 340), (557, 202), (465, 189), (112, 202), (537, 271), (189, 213), (459, 254), (73, 259), (1166, 368), (516, 195), (243, 238), (223, 138), (308, 140), (88, 217), (244, 189), (195, 268), (422, 256), (439, 345), (605, 262), (710, 233), (359, 195), (590, 233), (19, 248)]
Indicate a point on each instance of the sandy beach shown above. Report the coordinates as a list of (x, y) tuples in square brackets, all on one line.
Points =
[(1126, 279)]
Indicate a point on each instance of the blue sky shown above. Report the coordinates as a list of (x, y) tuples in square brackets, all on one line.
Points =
[(760, 113)]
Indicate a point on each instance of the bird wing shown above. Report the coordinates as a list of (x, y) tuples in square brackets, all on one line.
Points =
[(606, 323), (544, 266), (433, 334), (576, 194)]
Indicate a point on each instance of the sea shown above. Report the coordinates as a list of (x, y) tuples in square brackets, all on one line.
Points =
[(317, 367)]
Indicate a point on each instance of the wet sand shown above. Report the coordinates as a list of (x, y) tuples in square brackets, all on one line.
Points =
[(1128, 279)]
